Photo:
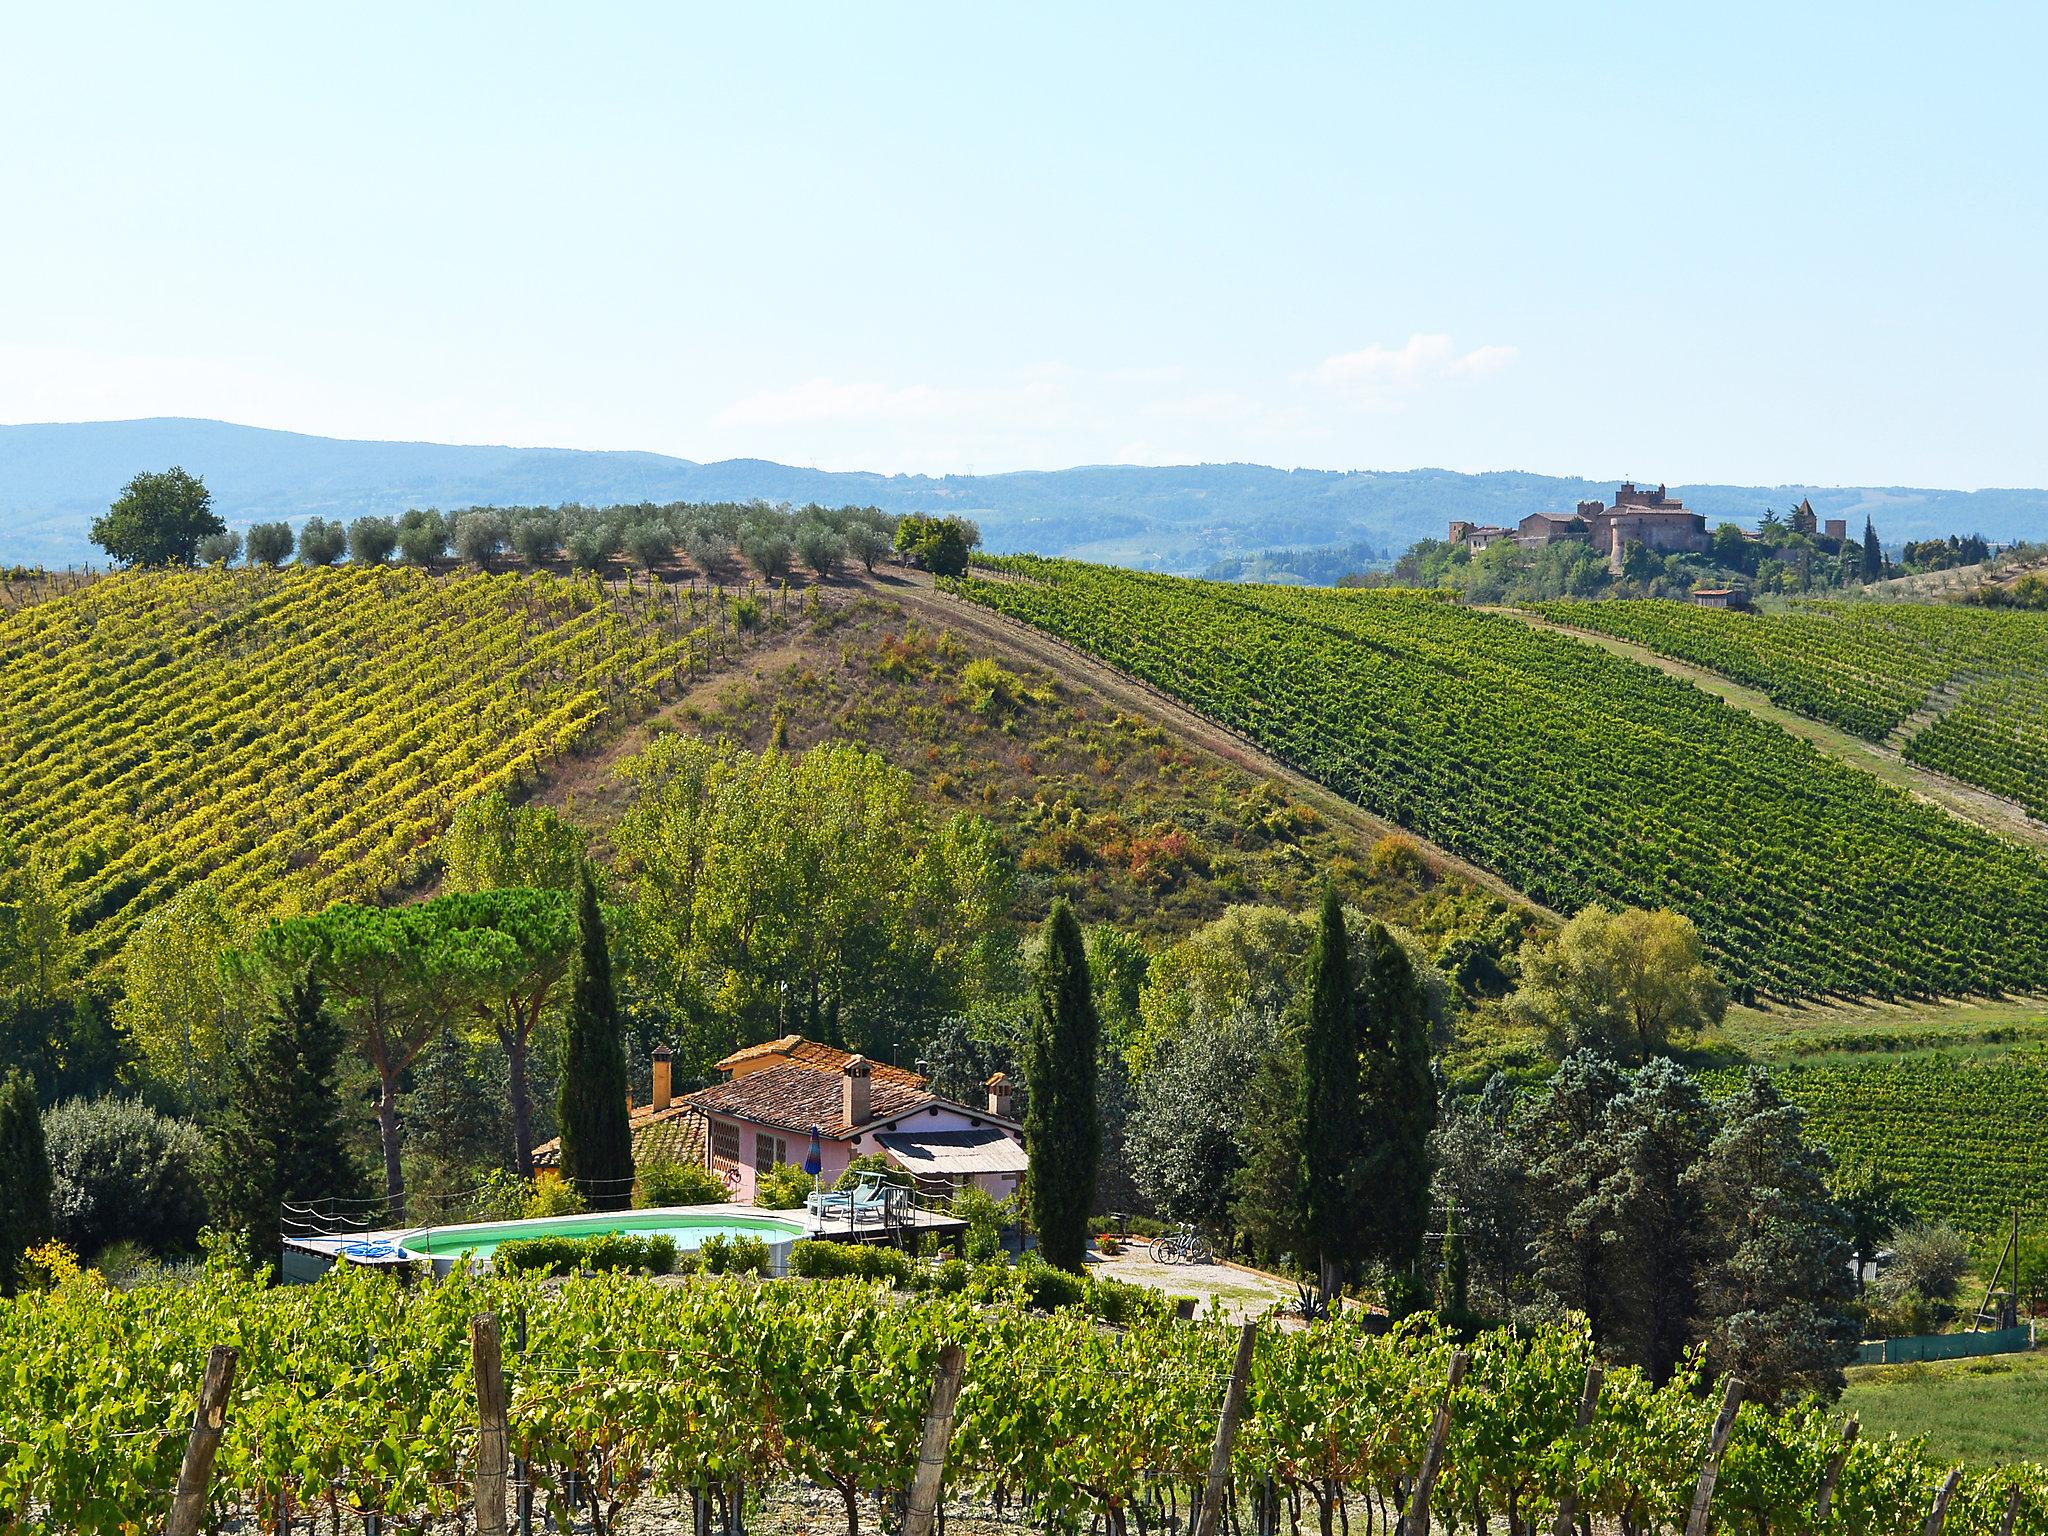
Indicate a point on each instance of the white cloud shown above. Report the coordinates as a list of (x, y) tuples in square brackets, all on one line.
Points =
[(1383, 374)]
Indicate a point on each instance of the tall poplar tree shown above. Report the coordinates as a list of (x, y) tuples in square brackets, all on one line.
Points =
[(597, 1141), (25, 1183), (1062, 1127), (1329, 1105)]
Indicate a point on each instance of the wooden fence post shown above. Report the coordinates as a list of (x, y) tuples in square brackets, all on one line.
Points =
[(1938, 1516), (1226, 1432), (1568, 1503), (1416, 1522), (931, 1454), (188, 1503), (1833, 1473), (1710, 1465), (488, 1367)]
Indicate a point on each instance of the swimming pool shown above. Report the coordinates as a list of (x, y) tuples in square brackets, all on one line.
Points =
[(690, 1227)]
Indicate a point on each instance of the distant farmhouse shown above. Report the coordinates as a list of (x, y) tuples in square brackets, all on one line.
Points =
[(1655, 519)]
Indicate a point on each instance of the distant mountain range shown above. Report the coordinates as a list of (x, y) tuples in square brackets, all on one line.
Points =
[(55, 478)]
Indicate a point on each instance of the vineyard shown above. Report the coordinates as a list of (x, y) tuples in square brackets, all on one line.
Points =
[(357, 1397), (300, 736), (1871, 668), (1964, 1133), (1575, 774)]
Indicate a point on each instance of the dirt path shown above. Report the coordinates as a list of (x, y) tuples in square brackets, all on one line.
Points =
[(1127, 692), (1966, 802)]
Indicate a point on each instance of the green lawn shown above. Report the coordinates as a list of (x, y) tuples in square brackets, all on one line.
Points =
[(1983, 1411)]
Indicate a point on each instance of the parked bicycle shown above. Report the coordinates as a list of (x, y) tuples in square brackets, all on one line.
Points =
[(1183, 1245)]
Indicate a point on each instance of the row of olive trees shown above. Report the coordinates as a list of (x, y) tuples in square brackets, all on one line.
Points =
[(720, 540)]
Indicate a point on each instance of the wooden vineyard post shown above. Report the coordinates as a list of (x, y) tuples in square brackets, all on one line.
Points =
[(488, 1367), (931, 1453), (1416, 1523), (1833, 1474), (2012, 1514), (1710, 1465), (1938, 1516), (1568, 1502), (1226, 1432), (188, 1503)]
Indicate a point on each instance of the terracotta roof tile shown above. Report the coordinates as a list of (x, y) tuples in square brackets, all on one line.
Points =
[(797, 1098), (816, 1056), (675, 1135)]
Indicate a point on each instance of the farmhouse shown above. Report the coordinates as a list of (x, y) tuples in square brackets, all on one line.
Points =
[(763, 1115), (775, 1093)]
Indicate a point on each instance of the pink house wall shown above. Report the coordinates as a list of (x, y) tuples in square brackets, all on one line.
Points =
[(837, 1153)]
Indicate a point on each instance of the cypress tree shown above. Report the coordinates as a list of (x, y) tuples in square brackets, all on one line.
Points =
[(1329, 1104), (25, 1184), (597, 1141), (1399, 1096), (1873, 552), (1062, 1128), (278, 1136)]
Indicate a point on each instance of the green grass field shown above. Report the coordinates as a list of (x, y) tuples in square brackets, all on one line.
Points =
[(1981, 1411)]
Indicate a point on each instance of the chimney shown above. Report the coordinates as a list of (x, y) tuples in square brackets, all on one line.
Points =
[(999, 1095), (662, 1081), (853, 1091)]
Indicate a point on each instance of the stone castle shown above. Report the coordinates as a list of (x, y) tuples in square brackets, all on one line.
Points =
[(1655, 519)]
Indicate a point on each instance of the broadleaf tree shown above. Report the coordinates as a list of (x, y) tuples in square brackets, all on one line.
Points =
[(158, 519)]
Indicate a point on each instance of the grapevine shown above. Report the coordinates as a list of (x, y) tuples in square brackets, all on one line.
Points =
[(355, 1396)]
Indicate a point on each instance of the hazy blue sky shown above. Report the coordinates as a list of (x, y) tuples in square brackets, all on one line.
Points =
[(1756, 244)]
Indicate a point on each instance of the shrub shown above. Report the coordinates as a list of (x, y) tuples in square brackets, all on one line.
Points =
[(121, 1170), (654, 1252), (722, 1255), (782, 1188), (986, 1217), (852, 1261), (1047, 1288), (680, 1184), (1928, 1259), (553, 1197), (870, 1162)]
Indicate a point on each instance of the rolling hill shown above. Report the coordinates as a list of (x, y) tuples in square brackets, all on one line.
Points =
[(55, 478), (1575, 774)]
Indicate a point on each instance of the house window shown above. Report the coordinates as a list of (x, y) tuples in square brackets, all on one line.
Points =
[(768, 1151), (725, 1144)]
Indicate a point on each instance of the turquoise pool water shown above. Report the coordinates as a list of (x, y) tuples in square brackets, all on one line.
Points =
[(689, 1230)]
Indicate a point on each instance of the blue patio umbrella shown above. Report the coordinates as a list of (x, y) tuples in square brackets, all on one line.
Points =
[(814, 1159)]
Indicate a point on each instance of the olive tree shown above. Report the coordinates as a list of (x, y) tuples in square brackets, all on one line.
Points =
[(270, 544)]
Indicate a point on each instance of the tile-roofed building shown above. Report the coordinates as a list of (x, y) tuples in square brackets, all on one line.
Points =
[(763, 1116), (796, 1051), (797, 1098)]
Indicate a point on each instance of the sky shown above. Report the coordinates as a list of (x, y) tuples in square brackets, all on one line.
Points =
[(1730, 243)]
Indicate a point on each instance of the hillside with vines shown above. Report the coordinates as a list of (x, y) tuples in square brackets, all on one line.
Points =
[(1577, 775), (1965, 687), (301, 736)]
